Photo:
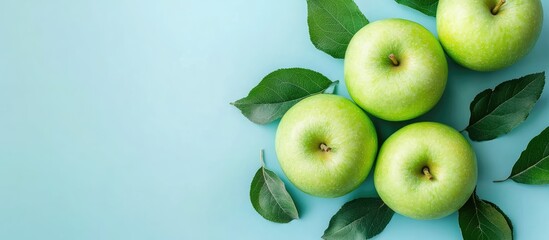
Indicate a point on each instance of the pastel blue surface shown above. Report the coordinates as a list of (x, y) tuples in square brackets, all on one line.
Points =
[(116, 121)]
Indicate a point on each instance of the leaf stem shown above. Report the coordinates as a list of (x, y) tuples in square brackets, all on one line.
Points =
[(495, 10), (498, 181), (261, 159)]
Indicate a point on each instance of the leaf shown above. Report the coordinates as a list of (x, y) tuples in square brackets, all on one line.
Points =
[(332, 24), (483, 220), (428, 7), (270, 198), (279, 91), (497, 112), (532, 167), (507, 219), (361, 218)]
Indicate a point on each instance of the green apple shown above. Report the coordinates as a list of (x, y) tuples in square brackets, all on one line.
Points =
[(425, 170), (487, 35), (326, 145), (395, 69)]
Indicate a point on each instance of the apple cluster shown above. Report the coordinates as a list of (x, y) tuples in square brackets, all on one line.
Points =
[(396, 70)]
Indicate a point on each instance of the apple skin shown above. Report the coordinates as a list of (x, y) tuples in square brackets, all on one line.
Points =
[(405, 188), (481, 41), (390, 92), (340, 125)]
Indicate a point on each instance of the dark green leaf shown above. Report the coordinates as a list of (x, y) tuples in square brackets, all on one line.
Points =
[(507, 219), (270, 198), (279, 91), (482, 220), (332, 24), (497, 112), (532, 167), (361, 218), (428, 7)]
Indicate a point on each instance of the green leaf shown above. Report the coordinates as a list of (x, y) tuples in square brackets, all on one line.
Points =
[(532, 167), (361, 218), (497, 112), (279, 91), (270, 198), (483, 220), (428, 7), (507, 219), (332, 24)]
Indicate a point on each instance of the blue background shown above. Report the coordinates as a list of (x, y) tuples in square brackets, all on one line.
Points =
[(116, 124)]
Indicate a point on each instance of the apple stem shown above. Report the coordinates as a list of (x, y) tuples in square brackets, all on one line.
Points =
[(261, 153), (495, 10), (427, 173), (325, 147), (393, 59)]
